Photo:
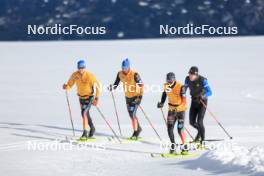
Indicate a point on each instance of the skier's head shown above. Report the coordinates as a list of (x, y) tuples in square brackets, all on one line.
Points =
[(125, 66), (81, 66), (193, 73), (170, 77)]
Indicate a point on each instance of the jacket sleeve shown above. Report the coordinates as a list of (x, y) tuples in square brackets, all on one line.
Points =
[(139, 82), (207, 88), (96, 85), (117, 81), (71, 81), (163, 97), (186, 84), (164, 94)]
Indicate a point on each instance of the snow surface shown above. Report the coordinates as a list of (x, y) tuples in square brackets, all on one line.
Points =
[(33, 106), (246, 159)]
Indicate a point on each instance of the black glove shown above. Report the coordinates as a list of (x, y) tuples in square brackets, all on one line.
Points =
[(160, 105), (110, 87), (199, 98)]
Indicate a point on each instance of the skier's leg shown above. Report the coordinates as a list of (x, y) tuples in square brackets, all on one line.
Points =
[(170, 125), (193, 118), (139, 129), (84, 118), (180, 126), (201, 114), (90, 121), (131, 112), (171, 119), (193, 115), (132, 109)]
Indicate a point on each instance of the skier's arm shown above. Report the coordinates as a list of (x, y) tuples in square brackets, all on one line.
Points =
[(139, 83), (117, 81), (183, 95), (183, 98), (71, 82), (97, 89), (163, 97), (186, 84), (138, 80), (207, 88), (96, 85)]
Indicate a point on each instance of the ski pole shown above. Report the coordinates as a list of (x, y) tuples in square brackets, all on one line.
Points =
[(108, 124), (150, 123), (70, 112), (214, 117), (188, 132), (163, 115), (117, 117)]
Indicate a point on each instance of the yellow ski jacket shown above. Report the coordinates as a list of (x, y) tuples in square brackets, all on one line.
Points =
[(86, 83)]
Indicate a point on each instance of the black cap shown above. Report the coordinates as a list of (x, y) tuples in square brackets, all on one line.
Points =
[(194, 70)]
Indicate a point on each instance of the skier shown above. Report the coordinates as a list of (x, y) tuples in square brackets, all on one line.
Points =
[(177, 106), (200, 91), (86, 82), (133, 87)]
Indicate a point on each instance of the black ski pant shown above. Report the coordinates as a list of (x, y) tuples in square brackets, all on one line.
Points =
[(196, 117), (85, 108), (174, 116), (132, 107)]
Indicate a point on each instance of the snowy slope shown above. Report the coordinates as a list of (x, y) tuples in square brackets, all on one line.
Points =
[(33, 106)]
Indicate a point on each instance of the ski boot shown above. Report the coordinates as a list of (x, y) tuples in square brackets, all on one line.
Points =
[(133, 137), (172, 148), (196, 139), (92, 131), (201, 145), (84, 135), (184, 149), (136, 133)]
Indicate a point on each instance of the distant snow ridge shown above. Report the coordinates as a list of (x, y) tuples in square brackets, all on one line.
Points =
[(249, 159)]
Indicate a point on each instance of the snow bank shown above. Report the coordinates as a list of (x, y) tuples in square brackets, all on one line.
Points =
[(241, 158)]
